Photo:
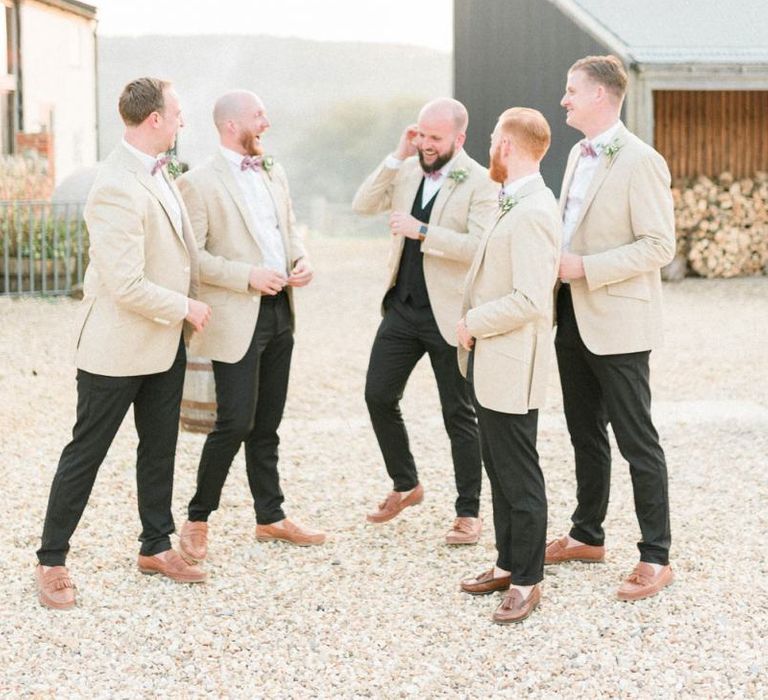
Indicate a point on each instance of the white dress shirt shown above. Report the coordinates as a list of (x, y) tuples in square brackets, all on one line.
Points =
[(431, 186), (582, 178), (168, 197), (262, 210)]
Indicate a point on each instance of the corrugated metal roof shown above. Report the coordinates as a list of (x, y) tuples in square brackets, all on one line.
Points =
[(677, 31)]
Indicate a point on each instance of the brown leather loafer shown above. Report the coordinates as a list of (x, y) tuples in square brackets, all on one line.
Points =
[(465, 531), (643, 582), (514, 609), (171, 564), (558, 552), (290, 531), (393, 504), (54, 587), (193, 541), (484, 583)]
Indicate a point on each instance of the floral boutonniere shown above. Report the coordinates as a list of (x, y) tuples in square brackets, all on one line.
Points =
[(507, 203), (267, 163), (458, 175), (174, 168), (612, 149)]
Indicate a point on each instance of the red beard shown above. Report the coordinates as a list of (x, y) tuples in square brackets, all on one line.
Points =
[(251, 143), (497, 170)]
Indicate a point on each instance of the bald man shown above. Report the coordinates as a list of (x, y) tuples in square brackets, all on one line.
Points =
[(251, 257), (439, 201)]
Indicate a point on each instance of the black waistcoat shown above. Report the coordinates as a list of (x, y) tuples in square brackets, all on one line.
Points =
[(410, 276)]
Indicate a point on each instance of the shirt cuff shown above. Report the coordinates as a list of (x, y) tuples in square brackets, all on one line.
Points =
[(392, 163)]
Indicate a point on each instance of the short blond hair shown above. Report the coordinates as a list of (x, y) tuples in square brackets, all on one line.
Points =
[(607, 71), (528, 129)]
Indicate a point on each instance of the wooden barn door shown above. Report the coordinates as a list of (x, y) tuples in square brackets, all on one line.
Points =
[(711, 132)]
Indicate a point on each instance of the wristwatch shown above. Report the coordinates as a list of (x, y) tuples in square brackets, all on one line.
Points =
[(422, 232)]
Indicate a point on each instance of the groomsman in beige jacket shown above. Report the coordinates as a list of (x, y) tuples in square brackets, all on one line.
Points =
[(619, 230), (505, 340), (130, 350), (251, 258), (439, 201)]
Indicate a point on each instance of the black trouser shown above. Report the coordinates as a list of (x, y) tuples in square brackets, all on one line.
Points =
[(405, 334), (517, 490), (102, 403), (615, 389), (250, 395)]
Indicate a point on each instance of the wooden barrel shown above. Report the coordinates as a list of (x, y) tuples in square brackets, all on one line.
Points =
[(198, 400)]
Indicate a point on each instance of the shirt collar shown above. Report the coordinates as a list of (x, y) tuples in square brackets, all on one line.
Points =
[(515, 186), (147, 160), (602, 140), (232, 156)]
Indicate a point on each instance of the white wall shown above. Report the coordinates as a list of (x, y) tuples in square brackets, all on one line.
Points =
[(59, 75)]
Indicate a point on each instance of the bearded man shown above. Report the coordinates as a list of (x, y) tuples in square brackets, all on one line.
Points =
[(251, 257), (439, 201)]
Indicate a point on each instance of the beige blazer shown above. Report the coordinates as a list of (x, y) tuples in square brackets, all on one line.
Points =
[(228, 248), (142, 269), (460, 214), (626, 233), (508, 303)]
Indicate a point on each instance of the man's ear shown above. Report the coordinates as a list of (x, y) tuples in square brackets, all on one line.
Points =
[(460, 139)]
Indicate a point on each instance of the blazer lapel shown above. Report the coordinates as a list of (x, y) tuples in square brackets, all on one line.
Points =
[(603, 168), (447, 188), (223, 169), (570, 169), (150, 183)]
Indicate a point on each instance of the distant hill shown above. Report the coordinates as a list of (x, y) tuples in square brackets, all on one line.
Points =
[(299, 80)]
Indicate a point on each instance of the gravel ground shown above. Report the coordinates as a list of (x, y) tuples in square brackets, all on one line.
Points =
[(376, 612)]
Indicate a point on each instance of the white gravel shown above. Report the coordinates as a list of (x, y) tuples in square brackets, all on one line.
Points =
[(376, 612)]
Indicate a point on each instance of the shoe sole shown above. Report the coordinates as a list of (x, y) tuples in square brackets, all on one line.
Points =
[(482, 593), (177, 579), (461, 544), (282, 539), (579, 559)]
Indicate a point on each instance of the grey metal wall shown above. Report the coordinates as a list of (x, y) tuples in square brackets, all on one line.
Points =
[(516, 53)]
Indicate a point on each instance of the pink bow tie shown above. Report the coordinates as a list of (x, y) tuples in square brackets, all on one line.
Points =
[(434, 175), (587, 151), (251, 162), (160, 163)]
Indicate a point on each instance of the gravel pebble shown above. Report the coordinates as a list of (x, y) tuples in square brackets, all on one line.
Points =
[(377, 612)]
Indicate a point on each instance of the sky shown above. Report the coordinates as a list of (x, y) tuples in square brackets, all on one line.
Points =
[(417, 22)]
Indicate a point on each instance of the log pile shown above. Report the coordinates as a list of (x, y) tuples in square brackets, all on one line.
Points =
[(722, 224)]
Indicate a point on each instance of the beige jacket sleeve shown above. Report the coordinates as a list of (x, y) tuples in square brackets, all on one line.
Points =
[(117, 248), (533, 254), (375, 194), (653, 226), (451, 245), (214, 269)]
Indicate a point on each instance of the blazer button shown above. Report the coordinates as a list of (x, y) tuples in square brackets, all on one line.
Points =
[(255, 298)]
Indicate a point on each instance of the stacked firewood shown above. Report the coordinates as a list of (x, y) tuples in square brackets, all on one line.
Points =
[(722, 224)]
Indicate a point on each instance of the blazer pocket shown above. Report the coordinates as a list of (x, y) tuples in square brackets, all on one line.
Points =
[(503, 345), (633, 288)]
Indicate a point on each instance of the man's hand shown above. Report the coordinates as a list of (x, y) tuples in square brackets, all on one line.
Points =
[(571, 267), (404, 225), (302, 273), (466, 339), (266, 281), (406, 147), (199, 314)]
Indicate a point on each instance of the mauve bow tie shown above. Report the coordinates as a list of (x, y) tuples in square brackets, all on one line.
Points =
[(252, 162), (434, 175), (160, 163), (587, 150)]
